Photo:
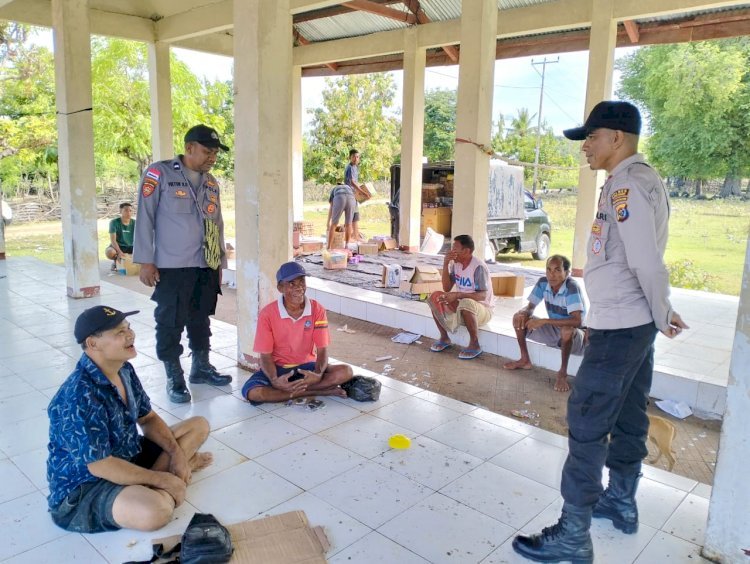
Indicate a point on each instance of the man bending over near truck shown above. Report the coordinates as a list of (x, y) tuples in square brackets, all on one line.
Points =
[(469, 305), (565, 308), (292, 340)]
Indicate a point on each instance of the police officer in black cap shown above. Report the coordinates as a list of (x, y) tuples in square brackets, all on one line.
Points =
[(179, 243), (628, 288)]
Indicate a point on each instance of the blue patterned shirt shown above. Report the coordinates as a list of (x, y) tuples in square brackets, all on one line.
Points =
[(559, 306), (88, 421)]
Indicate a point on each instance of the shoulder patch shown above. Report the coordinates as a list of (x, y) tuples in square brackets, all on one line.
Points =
[(147, 189), (153, 174), (619, 196), (621, 211)]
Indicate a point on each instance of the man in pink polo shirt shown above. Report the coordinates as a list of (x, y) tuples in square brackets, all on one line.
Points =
[(292, 340)]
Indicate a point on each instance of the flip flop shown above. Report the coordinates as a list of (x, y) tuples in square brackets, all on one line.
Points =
[(440, 346), (468, 354)]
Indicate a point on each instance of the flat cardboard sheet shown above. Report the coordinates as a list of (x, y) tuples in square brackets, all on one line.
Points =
[(279, 539)]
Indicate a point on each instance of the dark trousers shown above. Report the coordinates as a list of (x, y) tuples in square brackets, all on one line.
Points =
[(184, 297), (607, 422)]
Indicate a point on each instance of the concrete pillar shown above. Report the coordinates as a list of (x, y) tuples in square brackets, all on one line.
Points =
[(298, 195), (2, 229), (263, 159), (598, 87), (75, 127), (160, 85), (474, 117), (728, 529), (412, 140)]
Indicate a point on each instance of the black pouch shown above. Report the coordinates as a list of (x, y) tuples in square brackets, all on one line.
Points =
[(362, 388), (205, 541)]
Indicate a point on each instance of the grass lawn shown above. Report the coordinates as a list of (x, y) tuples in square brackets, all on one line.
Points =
[(706, 249)]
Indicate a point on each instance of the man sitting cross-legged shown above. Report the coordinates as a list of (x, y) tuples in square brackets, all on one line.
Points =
[(292, 340), (565, 307), (103, 475)]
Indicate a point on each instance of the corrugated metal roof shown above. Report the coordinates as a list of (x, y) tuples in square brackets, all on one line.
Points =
[(509, 4), (695, 13), (357, 23), (441, 10), (350, 25)]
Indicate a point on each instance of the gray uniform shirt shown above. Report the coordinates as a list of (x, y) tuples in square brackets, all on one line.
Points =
[(626, 280), (169, 231)]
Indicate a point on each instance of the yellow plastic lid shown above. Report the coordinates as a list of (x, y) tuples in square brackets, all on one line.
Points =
[(399, 441)]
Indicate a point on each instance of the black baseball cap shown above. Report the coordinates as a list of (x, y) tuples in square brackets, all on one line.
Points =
[(290, 271), (611, 114), (98, 318), (206, 136)]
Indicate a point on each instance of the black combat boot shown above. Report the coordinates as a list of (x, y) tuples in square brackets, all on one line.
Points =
[(617, 503), (176, 389), (568, 540), (203, 372)]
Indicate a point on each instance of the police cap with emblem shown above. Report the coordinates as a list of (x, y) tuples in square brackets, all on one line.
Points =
[(206, 136), (96, 319), (610, 114)]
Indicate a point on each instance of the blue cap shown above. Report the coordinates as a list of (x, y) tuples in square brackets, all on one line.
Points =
[(289, 271), (610, 114), (96, 319)]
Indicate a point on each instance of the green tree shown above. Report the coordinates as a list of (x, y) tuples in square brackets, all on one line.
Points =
[(440, 125), (697, 99), (354, 114), (121, 102), (28, 135)]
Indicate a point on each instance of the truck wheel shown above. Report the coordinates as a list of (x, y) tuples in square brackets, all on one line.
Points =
[(542, 247)]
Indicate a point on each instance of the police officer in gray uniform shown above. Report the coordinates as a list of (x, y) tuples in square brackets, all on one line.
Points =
[(179, 243), (628, 288)]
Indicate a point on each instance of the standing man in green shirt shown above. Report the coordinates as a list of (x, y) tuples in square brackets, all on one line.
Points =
[(121, 230)]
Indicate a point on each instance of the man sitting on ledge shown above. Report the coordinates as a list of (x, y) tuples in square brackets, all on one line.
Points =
[(292, 340), (470, 305), (103, 475), (565, 308)]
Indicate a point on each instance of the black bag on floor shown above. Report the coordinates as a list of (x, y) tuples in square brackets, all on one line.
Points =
[(362, 388), (205, 541)]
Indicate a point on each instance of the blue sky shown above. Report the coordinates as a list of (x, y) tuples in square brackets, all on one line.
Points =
[(517, 83)]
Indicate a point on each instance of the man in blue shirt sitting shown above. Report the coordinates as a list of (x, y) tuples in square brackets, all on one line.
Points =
[(565, 308), (103, 475)]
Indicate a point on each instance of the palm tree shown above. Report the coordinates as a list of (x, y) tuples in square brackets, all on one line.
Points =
[(521, 124)]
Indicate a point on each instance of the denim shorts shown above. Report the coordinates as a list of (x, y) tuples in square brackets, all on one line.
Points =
[(259, 378), (88, 508)]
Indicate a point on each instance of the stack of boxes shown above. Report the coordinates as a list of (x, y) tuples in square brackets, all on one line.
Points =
[(437, 202)]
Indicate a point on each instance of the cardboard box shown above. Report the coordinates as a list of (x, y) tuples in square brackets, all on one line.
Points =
[(311, 246), (425, 280), (507, 285), (126, 266), (339, 237), (439, 219), (430, 192), (384, 243), (368, 248), (279, 539), (364, 194), (334, 260), (391, 277)]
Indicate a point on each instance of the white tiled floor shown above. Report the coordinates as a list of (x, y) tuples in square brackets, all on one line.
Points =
[(470, 481)]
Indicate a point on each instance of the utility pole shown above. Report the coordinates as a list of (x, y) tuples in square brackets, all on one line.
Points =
[(544, 64)]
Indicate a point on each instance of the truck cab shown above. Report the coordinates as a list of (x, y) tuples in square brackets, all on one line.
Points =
[(516, 221)]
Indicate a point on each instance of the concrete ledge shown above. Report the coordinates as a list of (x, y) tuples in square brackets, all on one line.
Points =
[(704, 394)]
